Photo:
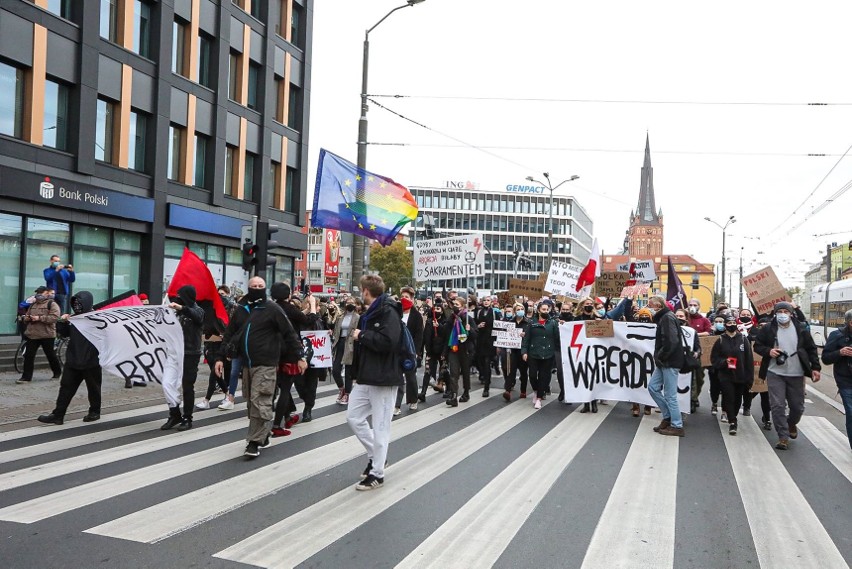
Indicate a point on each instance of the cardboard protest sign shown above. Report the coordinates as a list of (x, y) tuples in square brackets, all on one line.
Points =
[(643, 271), (449, 258), (706, 343), (505, 298), (764, 290), (321, 343), (759, 385), (562, 279), (617, 368), (526, 287), (141, 344), (610, 284), (599, 328)]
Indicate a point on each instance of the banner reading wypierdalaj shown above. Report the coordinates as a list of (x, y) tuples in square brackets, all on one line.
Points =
[(617, 368), (449, 258), (138, 344)]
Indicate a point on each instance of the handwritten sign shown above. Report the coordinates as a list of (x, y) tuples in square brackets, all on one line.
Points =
[(764, 290), (562, 279), (706, 343), (610, 284), (321, 343), (525, 287), (449, 258), (643, 271), (638, 289), (623, 268), (599, 328)]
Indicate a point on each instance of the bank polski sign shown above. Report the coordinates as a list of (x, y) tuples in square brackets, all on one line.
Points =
[(449, 258)]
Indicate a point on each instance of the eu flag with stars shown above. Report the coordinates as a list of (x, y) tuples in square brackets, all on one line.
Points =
[(354, 200)]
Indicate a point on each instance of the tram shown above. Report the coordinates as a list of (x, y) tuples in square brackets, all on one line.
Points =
[(829, 303)]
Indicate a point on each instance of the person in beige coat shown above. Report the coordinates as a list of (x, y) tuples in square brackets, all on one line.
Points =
[(41, 320), (343, 348)]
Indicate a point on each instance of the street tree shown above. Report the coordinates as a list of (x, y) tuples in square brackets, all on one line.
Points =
[(394, 263)]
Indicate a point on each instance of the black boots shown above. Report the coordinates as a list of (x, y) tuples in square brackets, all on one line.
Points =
[(91, 417), (593, 407), (51, 419), (174, 419), (465, 397), (306, 416), (185, 425)]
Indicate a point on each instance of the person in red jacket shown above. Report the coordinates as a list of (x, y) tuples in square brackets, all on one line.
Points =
[(703, 327)]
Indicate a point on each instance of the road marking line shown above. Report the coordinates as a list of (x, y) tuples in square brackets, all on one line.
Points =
[(785, 529), (287, 544), (832, 443), (518, 489), (179, 514), (822, 396), (647, 483)]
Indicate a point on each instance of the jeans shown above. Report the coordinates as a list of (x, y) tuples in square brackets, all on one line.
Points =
[(785, 391), (236, 372), (214, 380), (540, 375), (375, 400), (846, 397), (663, 390)]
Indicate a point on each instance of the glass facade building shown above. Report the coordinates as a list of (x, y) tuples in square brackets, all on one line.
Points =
[(510, 221)]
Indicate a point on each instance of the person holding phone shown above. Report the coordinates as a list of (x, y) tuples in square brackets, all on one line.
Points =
[(733, 361)]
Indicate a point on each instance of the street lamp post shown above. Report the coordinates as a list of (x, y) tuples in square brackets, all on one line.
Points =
[(724, 228), (551, 187), (359, 242)]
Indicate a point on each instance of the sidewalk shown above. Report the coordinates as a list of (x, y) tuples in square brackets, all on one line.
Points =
[(21, 404)]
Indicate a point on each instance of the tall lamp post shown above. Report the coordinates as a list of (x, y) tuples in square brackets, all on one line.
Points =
[(359, 242), (551, 187), (724, 228)]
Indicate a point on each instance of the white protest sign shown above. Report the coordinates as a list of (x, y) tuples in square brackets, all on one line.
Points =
[(623, 268), (142, 344), (449, 258), (617, 368), (500, 325), (510, 338), (320, 341), (562, 280), (644, 271)]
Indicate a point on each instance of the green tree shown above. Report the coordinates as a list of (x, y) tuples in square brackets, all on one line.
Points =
[(394, 263)]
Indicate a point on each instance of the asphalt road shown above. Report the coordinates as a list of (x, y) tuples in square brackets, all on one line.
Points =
[(486, 484)]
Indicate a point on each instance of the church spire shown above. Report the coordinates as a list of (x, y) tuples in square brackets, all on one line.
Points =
[(647, 210)]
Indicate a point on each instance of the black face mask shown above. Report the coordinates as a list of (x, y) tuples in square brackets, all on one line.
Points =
[(588, 308), (731, 327), (350, 308), (255, 294), (456, 309), (745, 319)]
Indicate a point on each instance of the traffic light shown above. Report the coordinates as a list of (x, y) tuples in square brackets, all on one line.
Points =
[(695, 281), (249, 256), (265, 243)]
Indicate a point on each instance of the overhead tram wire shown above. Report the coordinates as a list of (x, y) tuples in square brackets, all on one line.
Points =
[(613, 101)]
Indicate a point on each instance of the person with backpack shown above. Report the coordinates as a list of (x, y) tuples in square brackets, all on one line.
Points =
[(40, 319), (378, 374)]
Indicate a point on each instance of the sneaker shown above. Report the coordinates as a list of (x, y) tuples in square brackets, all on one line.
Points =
[(185, 425), (367, 470), (746, 412), (673, 431), (226, 405), (794, 432), (252, 450), (412, 406), (523, 394), (370, 483), (724, 418), (204, 404), (396, 411), (280, 432), (782, 444), (345, 399), (291, 420), (265, 442), (714, 410), (340, 394), (767, 424), (24, 380), (732, 429), (537, 404)]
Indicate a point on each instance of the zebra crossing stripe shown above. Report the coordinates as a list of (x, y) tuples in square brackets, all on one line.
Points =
[(829, 441), (62, 467), (648, 483), (787, 531), (518, 489), (287, 544), (174, 516)]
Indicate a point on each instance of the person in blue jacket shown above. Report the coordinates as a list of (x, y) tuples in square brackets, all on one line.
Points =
[(59, 278)]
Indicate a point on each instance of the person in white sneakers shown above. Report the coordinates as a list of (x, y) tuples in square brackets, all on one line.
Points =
[(538, 349)]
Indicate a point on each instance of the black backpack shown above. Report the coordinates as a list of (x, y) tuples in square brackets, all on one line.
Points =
[(407, 353)]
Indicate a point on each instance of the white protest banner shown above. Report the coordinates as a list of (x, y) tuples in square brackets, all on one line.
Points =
[(320, 341), (643, 271), (449, 258), (143, 344), (617, 368), (510, 338), (562, 279)]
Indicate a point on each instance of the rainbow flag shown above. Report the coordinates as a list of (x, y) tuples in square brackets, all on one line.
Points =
[(358, 201)]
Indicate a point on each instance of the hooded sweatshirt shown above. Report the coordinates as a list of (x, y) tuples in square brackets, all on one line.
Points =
[(81, 353), (191, 318)]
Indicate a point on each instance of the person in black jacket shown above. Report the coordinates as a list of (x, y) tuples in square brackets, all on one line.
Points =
[(81, 364), (461, 344), (414, 321), (514, 363), (485, 352), (733, 361), (379, 375), (435, 337), (838, 352), (191, 318), (262, 338), (789, 355), (668, 359)]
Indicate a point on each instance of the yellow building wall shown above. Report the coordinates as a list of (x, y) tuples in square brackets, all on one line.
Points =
[(704, 293)]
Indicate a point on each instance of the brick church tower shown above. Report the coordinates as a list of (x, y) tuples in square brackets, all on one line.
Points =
[(644, 238)]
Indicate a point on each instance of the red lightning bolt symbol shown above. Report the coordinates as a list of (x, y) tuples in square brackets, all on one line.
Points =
[(574, 336), (477, 243)]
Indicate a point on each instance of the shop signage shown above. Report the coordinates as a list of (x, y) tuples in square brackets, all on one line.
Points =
[(18, 184), (514, 188)]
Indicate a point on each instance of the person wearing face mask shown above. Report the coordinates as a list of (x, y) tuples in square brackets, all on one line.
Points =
[(343, 346), (40, 331), (414, 321), (484, 320), (461, 331), (715, 387), (746, 326), (59, 277), (81, 364), (732, 359), (702, 327), (538, 348), (191, 318), (789, 355), (262, 336), (668, 359), (513, 362), (435, 342)]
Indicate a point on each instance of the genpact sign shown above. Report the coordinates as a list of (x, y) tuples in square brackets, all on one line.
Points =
[(525, 189)]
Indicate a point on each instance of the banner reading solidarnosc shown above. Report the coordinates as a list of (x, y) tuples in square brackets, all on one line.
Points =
[(449, 258), (138, 344), (617, 368)]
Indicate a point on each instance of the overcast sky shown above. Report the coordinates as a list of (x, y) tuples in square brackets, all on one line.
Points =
[(466, 65)]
